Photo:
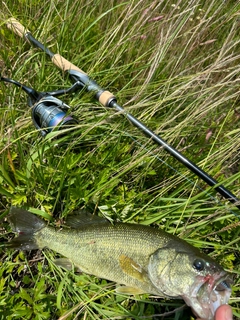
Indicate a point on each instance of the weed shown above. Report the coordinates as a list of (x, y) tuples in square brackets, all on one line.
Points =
[(175, 66)]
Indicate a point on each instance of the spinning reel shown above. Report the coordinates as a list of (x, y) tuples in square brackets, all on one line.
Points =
[(48, 112)]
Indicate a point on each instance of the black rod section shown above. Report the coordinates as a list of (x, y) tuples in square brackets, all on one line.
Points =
[(38, 44), (181, 158)]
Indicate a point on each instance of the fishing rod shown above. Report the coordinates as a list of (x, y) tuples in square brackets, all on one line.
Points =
[(108, 100)]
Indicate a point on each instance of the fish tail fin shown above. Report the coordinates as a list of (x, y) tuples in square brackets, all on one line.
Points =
[(26, 225)]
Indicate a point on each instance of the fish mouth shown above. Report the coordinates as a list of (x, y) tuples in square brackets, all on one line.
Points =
[(209, 293), (220, 294)]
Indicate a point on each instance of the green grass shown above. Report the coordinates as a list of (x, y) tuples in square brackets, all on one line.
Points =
[(175, 66)]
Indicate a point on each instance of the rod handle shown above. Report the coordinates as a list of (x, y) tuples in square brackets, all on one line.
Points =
[(14, 25), (64, 64), (106, 97)]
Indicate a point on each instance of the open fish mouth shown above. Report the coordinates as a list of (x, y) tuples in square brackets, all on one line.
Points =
[(220, 294), (209, 293)]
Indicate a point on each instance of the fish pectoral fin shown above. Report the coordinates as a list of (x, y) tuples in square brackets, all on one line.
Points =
[(129, 290), (66, 264), (132, 268)]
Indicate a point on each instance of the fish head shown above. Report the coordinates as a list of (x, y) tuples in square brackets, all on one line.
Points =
[(182, 271)]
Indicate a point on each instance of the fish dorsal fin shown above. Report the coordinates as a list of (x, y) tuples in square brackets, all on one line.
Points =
[(129, 290), (132, 268), (83, 217)]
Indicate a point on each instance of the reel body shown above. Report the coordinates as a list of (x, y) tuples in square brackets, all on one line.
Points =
[(48, 112)]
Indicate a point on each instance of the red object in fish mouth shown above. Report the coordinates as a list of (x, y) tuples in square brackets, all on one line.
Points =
[(209, 292)]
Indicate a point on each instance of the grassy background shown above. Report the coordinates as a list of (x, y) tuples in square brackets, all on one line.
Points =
[(175, 66)]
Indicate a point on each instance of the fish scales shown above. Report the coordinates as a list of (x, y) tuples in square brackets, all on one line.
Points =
[(97, 249)]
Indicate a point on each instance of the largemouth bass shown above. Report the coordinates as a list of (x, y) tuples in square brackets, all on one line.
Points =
[(142, 258)]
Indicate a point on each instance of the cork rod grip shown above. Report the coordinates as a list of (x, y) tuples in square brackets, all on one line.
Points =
[(105, 97), (14, 25), (64, 64)]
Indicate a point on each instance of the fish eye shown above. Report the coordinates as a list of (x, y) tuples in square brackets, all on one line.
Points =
[(198, 264)]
